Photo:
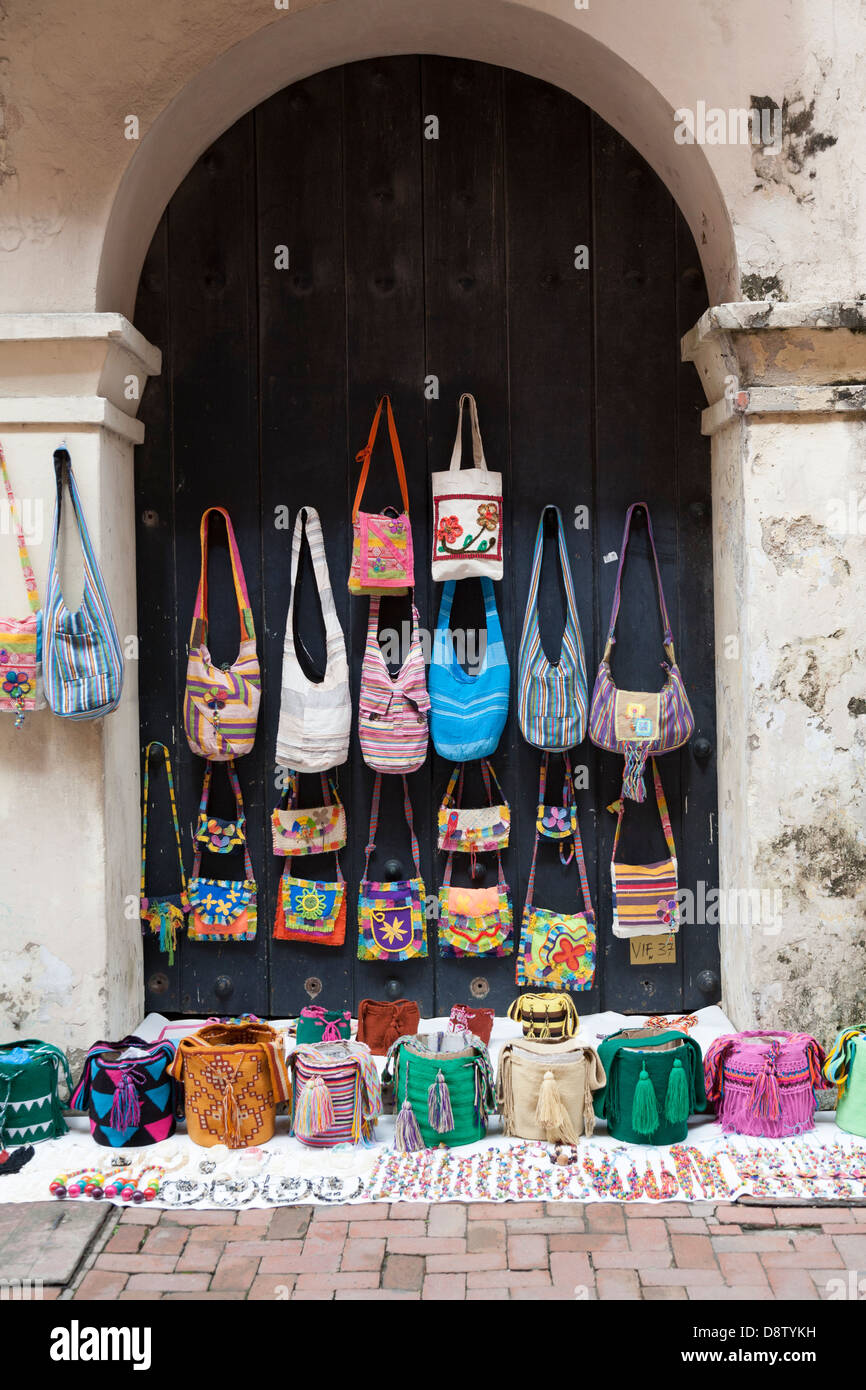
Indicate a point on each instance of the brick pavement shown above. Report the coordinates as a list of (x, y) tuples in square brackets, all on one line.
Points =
[(520, 1250)]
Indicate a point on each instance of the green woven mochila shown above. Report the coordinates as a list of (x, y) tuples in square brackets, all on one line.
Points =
[(447, 1080), (845, 1066), (654, 1082), (30, 1107)]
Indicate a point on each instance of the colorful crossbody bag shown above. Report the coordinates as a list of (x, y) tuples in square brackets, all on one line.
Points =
[(163, 916), (338, 1096), (128, 1092), (468, 712), (764, 1083), (222, 909), (638, 723), (655, 1081), (845, 1068), (83, 661), (313, 830), (234, 1076), (557, 949), (475, 921), (311, 910), (317, 1024), (392, 711), (473, 830), (443, 1090), (551, 695), (467, 510), (392, 924), (30, 1104), (645, 895), (382, 558), (221, 707), (21, 638), (545, 1017)]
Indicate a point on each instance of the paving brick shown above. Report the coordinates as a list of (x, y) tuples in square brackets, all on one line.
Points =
[(745, 1216), (527, 1252), (507, 1278), (200, 1258), (810, 1216), (652, 1211), (555, 1294), (136, 1264), (687, 1226), (338, 1230), (139, 1216), (571, 1269), (486, 1295), (208, 1296), (169, 1283), (570, 1209), (259, 1217), (482, 1236), (306, 1261), (354, 1279), (444, 1287), (605, 1217), (196, 1218), (647, 1235), (544, 1225), (290, 1222), (632, 1259), (710, 1278), (409, 1211), (791, 1284), (742, 1267), (753, 1240), (256, 1249), (349, 1211), (852, 1249), (619, 1283), (693, 1252), (271, 1288), (377, 1295), (165, 1240), (735, 1293), (311, 1295), (665, 1293), (449, 1219), (363, 1254), (403, 1272), (446, 1264), (215, 1234), (139, 1296), (482, 1211), (125, 1240), (369, 1229), (591, 1242), (101, 1284), (234, 1272), (430, 1245)]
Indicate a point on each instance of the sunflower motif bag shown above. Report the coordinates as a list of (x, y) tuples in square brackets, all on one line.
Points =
[(391, 921), (163, 916), (557, 949), (21, 638), (317, 830), (311, 909), (222, 909), (467, 510)]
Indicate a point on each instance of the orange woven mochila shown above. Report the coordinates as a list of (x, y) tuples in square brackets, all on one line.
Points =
[(234, 1076)]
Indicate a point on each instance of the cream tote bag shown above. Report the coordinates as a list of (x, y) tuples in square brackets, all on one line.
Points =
[(315, 716), (467, 511)]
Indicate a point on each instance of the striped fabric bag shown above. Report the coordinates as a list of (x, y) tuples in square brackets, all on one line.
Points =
[(468, 712), (645, 895), (221, 708), (338, 1096), (21, 638), (551, 696), (638, 723), (392, 713), (315, 716), (83, 664)]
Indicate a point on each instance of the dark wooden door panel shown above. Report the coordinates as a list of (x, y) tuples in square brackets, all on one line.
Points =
[(321, 252)]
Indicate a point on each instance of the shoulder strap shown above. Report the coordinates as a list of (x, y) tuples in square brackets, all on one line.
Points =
[(530, 620), (668, 637), (494, 626), (478, 459), (198, 634), (618, 808), (374, 823), (92, 574), (363, 456), (154, 744), (307, 522), (239, 815), (489, 776), (23, 556), (455, 780), (576, 837)]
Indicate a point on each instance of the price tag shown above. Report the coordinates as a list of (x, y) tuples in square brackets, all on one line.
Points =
[(652, 950)]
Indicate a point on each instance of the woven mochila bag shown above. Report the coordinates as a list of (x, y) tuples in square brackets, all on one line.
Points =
[(544, 1090), (764, 1083), (638, 723), (30, 1106), (845, 1068), (128, 1092), (234, 1076), (443, 1090), (221, 707), (655, 1081), (338, 1097), (545, 1017)]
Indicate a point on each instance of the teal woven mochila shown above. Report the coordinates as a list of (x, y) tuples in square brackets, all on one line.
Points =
[(845, 1066), (655, 1081), (30, 1107), (443, 1089)]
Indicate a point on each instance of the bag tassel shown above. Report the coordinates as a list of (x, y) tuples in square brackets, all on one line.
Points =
[(551, 1115), (439, 1111), (677, 1106), (232, 1127), (644, 1110), (407, 1134), (765, 1099), (315, 1109), (125, 1104), (633, 785)]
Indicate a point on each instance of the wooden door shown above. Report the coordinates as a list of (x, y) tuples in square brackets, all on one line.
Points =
[(417, 225)]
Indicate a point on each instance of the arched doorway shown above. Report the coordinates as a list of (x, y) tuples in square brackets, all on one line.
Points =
[(425, 259)]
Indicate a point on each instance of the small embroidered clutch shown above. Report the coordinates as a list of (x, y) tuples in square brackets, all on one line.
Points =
[(311, 910), (474, 830), (314, 830)]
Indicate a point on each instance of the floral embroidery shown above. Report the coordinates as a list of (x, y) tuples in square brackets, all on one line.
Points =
[(488, 516), (17, 685), (667, 911), (449, 530)]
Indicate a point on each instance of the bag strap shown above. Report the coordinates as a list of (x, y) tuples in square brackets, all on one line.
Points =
[(837, 1065), (198, 632), (239, 816), (374, 822), (449, 800), (489, 776), (166, 756), (93, 574), (23, 556), (363, 456), (530, 620), (618, 808), (307, 523), (291, 795), (668, 637), (478, 459), (578, 848)]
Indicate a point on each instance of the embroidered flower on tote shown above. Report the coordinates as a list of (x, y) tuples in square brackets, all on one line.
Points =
[(667, 910), (488, 516), (449, 530), (568, 954), (311, 903), (393, 930), (557, 818), (16, 684), (216, 700)]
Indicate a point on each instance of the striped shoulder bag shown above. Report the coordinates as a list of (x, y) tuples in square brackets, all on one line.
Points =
[(645, 895), (21, 638), (468, 712), (551, 695), (83, 668)]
